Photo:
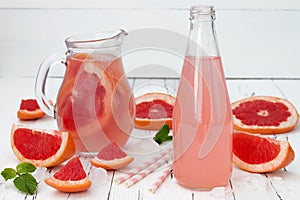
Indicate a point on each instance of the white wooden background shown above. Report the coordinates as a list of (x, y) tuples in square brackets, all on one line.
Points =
[(258, 38)]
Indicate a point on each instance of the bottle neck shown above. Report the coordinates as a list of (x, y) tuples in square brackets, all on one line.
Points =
[(202, 36)]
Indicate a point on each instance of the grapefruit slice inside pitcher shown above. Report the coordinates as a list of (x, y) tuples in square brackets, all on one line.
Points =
[(153, 110), (85, 98), (111, 157), (70, 178), (264, 114), (29, 110), (255, 153), (40, 147)]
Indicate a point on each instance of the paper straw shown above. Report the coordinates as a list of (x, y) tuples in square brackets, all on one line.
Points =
[(139, 176), (139, 168), (162, 177)]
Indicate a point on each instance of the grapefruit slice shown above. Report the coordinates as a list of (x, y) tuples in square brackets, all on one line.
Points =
[(70, 178), (75, 112), (255, 153), (29, 109), (264, 114), (153, 110), (111, 157), (40, 147)]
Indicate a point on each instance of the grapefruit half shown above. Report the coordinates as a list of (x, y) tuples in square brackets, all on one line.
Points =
[(153, 110), (29, 109), (70, 178), (111, 157), (255, 153), (264, 114), (40, 147)]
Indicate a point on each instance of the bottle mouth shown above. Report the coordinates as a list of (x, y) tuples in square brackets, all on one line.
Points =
[(102, 39), (202, 10)]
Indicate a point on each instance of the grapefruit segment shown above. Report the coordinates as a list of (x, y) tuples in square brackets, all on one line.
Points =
[(153, 110), (111, 157), (40, 147), (264, 114), (29, 110), (255, 153), (70, 178)]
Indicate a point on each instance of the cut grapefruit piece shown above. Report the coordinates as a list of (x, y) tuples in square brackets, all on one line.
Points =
[(70, 178), (111, 157), (40, 147), (153, 110), (255, 153), (264, 114), (29, 110)]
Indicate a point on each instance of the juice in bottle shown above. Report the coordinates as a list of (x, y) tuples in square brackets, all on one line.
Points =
[(202, 126)]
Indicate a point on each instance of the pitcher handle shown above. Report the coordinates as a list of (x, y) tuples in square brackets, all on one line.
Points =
[(40, 82)]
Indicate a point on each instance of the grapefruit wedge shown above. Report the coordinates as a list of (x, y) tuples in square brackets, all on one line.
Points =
[(40, 147), (255, 153), (29, 110), (70, 178), (111, 157), (264, 114), (153, 110)]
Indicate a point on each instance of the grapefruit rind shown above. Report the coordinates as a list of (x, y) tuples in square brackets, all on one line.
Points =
[(284, 158), (67, 149), (284, 126), (153, 124), (69, 186), (112, 164), (30, 115)]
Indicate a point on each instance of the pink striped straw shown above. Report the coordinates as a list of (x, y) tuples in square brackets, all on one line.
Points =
[(139, 176), (146, 164), (162, 177)]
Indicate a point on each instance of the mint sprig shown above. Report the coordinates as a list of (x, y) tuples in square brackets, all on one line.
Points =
[(162, 135), (23, 180)]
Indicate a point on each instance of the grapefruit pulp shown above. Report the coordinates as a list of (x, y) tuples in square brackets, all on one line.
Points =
[(29, 109), (255, 153), (111, 157), (264, 114), (153, 110), (70, 178), (40, 147)]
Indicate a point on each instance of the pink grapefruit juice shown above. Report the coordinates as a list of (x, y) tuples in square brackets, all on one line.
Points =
[(202, 124), (95, 102)]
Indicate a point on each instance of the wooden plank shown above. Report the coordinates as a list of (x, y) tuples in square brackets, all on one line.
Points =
[(287, 181), (178, 4), (26, 39)]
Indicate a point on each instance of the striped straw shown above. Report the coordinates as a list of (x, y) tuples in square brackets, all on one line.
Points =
[(139, 168), (162, 177), (139, 176)]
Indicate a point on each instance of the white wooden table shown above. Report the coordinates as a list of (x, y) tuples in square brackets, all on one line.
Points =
[(280, 185)]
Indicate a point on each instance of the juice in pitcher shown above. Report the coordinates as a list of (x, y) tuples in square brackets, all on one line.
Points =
[(95, 102)]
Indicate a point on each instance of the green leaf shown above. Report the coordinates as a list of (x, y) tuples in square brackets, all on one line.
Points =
[(163, 135), (25, 167), (8, 173), (26, 183)]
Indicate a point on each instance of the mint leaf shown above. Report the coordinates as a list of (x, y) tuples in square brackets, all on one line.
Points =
[(25, 167), (163, 135), (8, 173), (26, 183)]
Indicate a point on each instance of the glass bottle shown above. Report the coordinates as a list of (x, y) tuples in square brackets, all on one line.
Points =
[(202, 120)]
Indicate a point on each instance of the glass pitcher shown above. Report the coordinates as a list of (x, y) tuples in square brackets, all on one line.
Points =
[(95, 102)]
